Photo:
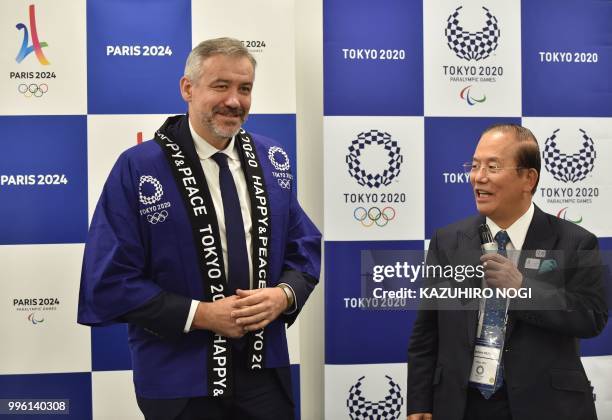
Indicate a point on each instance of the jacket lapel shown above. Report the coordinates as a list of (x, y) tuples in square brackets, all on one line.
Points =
[(185, 140), (540, 235)]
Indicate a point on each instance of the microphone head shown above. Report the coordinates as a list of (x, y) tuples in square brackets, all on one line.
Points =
[(487, 244), (485, 234)]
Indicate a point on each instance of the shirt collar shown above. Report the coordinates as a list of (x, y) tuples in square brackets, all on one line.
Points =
[(205, 150), (518, 230)]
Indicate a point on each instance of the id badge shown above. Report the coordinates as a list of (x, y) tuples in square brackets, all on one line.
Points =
[(485, 364)]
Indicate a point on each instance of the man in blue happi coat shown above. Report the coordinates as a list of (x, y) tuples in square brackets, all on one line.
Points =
[(199, 244)]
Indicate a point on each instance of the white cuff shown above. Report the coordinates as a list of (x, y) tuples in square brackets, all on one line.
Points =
[(192, 311), (291, 310)]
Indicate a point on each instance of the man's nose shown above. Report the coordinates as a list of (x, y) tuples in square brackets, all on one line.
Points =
[(231, 100), (480, 175)]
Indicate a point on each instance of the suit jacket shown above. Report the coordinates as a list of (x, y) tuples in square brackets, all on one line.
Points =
[(143, 268), (542, 369)]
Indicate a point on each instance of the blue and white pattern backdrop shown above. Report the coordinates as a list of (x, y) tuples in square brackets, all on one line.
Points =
[(408, 87), (82, 81)]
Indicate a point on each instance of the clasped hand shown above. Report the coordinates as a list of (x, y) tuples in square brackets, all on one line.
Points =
[(247, 310)]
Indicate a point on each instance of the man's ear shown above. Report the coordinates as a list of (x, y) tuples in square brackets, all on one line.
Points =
[(185, 85), (532, 179)]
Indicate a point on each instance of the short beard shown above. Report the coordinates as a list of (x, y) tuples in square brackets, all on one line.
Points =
[(223, 132)]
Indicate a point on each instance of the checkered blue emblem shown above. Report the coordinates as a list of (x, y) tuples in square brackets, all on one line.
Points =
[(472, 45), (362, 409), (569, 168), (353, 159)]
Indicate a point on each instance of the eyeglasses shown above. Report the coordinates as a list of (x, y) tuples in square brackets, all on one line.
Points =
[(491, 168)]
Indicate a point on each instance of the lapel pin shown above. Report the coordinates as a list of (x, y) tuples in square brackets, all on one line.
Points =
[(532, 263)]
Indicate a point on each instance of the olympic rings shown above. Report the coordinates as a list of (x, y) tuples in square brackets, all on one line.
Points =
[(374, 215), (284, 183), (156, 218), (33, 89)]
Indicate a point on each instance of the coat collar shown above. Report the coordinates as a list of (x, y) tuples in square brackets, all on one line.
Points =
[(177, 128), (540, 234)]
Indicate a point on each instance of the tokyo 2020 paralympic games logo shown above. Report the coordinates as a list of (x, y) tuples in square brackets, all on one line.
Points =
[(148, 200), (562, 214), (471, 100), (36, 46), (569, 168), (388, 408), (472, 45), (355, 157)]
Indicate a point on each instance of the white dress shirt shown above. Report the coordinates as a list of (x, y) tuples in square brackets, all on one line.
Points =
[(205, 150), (516, 232), (211, 172)]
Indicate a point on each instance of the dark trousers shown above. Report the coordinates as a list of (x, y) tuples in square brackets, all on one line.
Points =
[(258, 395), (495, 408)]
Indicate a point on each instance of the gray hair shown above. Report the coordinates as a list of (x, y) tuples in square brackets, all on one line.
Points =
[(528, 153), (205, 49)]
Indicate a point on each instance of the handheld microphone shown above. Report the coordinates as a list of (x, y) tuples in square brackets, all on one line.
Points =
[(487, 244)]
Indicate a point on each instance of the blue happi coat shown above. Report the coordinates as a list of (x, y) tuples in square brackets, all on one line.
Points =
[(141, 246)]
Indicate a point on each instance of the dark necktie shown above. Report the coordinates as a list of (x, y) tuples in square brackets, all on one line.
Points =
[(495, 315), (237, 256), (502, 240)]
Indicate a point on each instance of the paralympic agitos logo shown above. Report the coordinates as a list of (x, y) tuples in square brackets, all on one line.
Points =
[(562, 214), (465, 94)]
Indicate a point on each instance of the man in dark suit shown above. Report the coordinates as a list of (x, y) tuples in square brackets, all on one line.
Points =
[(199, 244), (539, 373)]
